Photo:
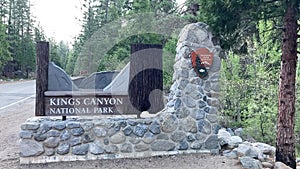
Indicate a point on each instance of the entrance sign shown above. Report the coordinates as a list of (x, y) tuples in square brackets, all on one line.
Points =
[(205, 56), (202, 59), (58, 95), (188, 111)]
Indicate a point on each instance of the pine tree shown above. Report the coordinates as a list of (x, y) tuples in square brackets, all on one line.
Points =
[(4, 47), (4, 11), (102, 15), (63, 53), (20, 35)]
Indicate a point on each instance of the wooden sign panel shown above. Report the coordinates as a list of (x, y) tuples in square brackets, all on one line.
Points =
[(206, 57), (202, 59), (87, 105)]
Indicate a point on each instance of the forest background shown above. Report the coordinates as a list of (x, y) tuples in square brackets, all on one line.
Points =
[(250, 67)]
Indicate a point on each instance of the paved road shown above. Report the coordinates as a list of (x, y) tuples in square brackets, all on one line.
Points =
[(13, 93)]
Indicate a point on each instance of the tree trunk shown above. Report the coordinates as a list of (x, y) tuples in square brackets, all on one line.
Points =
[(285, 147), (42, 63)]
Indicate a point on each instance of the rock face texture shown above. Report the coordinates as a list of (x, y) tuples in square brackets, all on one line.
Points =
[(188, 123)]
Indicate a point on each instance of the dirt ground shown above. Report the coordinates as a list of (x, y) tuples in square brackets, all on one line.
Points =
[(11, 119)]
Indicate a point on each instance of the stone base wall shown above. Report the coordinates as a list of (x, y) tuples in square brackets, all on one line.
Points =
[(46, 140), (188, 124)]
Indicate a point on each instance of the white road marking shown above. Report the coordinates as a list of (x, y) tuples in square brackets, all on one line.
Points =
[(4, 107)]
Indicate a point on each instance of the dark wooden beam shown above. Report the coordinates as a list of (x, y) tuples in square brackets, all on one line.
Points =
[(42, 62)]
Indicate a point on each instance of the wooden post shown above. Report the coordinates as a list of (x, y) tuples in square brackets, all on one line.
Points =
[(146, 76), (42, 62)]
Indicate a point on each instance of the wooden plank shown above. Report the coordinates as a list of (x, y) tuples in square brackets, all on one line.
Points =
[(42, 62), (145, 77)]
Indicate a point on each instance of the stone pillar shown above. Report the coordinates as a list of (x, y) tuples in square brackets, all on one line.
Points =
[(191, 96)]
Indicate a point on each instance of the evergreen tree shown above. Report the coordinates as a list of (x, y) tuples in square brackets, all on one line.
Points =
[(72, 57), (97, 16), (4, 47), (63, 53), (17, 16), (4, 4), (54, 56), (39, 34)]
